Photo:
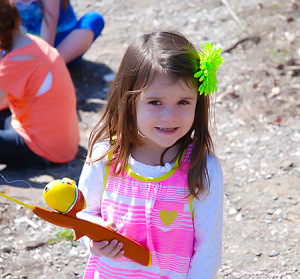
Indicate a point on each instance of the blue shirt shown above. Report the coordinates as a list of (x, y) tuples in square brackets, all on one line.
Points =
[(32, 16)]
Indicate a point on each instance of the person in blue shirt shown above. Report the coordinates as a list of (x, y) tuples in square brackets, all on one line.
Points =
[(56, 22)]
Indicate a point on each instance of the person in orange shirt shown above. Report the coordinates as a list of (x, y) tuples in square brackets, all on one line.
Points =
[(41, 121)]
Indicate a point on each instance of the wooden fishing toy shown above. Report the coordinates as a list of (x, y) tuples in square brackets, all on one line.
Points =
[(64, 197)]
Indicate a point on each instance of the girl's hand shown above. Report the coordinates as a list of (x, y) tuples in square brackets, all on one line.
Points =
[(111, 249), (108, 249)]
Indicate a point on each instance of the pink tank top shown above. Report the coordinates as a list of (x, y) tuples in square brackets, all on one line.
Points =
[(154, 212)]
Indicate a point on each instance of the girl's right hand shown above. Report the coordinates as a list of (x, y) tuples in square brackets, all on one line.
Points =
[(111, 249)]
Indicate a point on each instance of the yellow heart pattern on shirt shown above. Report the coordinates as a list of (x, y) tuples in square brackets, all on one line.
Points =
[(168, 217)]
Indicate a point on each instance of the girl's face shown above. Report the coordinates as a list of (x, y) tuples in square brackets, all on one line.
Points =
[(165, 112)]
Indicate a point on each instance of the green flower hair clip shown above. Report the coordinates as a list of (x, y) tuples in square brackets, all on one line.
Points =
[(210, 60)]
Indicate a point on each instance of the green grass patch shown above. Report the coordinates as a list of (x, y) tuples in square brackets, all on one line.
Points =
[(64, 234)]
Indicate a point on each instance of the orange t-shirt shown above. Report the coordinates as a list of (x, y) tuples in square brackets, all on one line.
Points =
[(45, 116)]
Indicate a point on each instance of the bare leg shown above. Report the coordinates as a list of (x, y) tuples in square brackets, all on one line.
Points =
[(76, 43)]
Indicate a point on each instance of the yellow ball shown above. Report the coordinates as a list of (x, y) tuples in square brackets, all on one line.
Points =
[(61, 194)]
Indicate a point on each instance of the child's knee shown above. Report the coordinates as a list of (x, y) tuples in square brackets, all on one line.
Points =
[(94, 21)]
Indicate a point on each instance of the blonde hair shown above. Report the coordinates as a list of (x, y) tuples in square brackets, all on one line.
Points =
[(162, 52)]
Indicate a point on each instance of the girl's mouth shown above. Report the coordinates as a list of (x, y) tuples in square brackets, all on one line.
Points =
[(166, 129)]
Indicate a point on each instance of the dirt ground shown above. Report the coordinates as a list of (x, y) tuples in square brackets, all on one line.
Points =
[(256, 130)]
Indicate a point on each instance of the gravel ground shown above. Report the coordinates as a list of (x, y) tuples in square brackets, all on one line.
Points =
[(256, 130)]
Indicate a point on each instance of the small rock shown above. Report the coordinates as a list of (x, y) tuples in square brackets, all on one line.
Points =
[(273, 254), (278, 211), (238, 217), (232, 211), (6, 249)]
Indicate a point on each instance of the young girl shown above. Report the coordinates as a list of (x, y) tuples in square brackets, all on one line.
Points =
[(56, 22), (41, 121), (150, 172)]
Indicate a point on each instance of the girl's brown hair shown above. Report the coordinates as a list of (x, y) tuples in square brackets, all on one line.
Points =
[(9, 22), (171, 54)]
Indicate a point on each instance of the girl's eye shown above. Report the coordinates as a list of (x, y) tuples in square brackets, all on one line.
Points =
[(154, 103), (183, 102)]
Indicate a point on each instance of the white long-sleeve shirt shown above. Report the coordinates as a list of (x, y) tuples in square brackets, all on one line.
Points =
[(207, 212)]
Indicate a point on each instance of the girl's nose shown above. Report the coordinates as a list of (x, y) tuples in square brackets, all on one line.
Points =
[(168, 113)]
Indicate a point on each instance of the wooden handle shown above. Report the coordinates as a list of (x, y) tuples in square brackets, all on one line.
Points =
[(132, 249)]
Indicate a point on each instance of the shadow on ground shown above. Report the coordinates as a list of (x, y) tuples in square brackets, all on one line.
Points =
[(91, 83), (37, 176)]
